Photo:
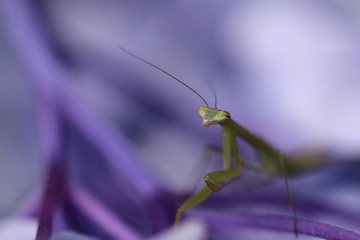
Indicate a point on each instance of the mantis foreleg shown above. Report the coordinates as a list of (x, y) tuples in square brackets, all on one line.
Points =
[(217, 180), (194, 200)]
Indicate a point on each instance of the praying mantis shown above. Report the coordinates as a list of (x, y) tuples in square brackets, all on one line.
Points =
[(270, 158)]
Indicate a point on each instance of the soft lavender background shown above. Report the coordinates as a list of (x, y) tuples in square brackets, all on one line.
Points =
[(288, 71)]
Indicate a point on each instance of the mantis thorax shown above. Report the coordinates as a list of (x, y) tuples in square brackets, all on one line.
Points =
[(212, 116)]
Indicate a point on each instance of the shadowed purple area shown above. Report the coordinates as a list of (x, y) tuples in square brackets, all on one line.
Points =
[(103, 136), (100, 215)]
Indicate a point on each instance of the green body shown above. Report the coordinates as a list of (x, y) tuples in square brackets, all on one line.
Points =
[(270, 159)]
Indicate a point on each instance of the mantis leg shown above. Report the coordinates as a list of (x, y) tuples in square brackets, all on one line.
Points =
[(194, 200), (288, 192), (218, 180), (203, 194), (271, 159)]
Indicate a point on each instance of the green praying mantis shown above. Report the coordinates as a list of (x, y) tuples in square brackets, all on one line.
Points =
[(271, 160)]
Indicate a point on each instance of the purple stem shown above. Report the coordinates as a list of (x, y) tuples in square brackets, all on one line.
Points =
[(51, 199), (51, 143), (222, 222), (102, 216)]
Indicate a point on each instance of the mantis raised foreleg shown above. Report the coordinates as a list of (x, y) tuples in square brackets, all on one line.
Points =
[(217, 180)]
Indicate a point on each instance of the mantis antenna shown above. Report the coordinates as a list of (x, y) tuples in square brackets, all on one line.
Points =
[(153, 65), (214, 94)]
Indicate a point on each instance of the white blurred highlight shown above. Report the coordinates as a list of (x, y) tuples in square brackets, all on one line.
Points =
[(304, 61)]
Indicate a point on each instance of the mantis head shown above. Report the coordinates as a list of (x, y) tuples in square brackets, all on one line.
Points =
[(212, 116)]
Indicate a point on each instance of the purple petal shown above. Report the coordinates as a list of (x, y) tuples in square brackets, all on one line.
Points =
[(222, 222)]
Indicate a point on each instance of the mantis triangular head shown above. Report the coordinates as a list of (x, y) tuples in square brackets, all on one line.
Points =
[(212, 116)]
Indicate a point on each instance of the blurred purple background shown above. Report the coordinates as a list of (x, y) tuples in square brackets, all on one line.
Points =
[(288, 71)]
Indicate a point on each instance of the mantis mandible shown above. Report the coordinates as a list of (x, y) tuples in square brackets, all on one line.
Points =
[(270, 158)]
